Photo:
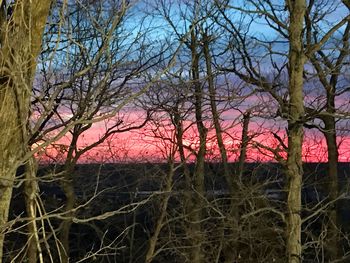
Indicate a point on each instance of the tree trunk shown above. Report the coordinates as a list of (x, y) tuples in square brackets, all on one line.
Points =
[(189, 201), (179, 140), (244, 145), (163, 210), (333, 243), (196, 208), (332, 148), (67, 185), (20, 40), (30, 192), (214, 110), (10, 152), (294, 170), (68, 189), (231, 246)]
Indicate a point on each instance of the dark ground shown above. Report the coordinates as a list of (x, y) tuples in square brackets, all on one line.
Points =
[(125, 234)]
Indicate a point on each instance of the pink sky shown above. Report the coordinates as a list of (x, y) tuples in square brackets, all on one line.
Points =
[(152, 143)]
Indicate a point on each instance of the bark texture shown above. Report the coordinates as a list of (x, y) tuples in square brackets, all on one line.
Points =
[(296, 117), (20, 44)]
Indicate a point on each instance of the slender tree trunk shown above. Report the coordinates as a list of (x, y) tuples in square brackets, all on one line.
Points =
[(177, 121), (197, 205), (163, 210), (189, 201), (294, 170), (332, 148), (67, 185), (30, 192), (333, 241), (20, 43), (244, 144), (231, 247), (214, 110), (68, 189)]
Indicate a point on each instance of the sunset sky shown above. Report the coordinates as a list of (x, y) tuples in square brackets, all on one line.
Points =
[(145, 145), (152, 142)]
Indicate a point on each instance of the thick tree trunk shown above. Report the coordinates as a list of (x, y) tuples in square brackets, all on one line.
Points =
[(11, 146), (294, 170), (20, 41)]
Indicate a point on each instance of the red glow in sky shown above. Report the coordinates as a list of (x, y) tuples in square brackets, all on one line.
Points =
[(154, 144)]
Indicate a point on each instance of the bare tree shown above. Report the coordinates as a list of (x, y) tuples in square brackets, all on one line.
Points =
[(86, 66), (100, 72), (288, 21), (328, 70)]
